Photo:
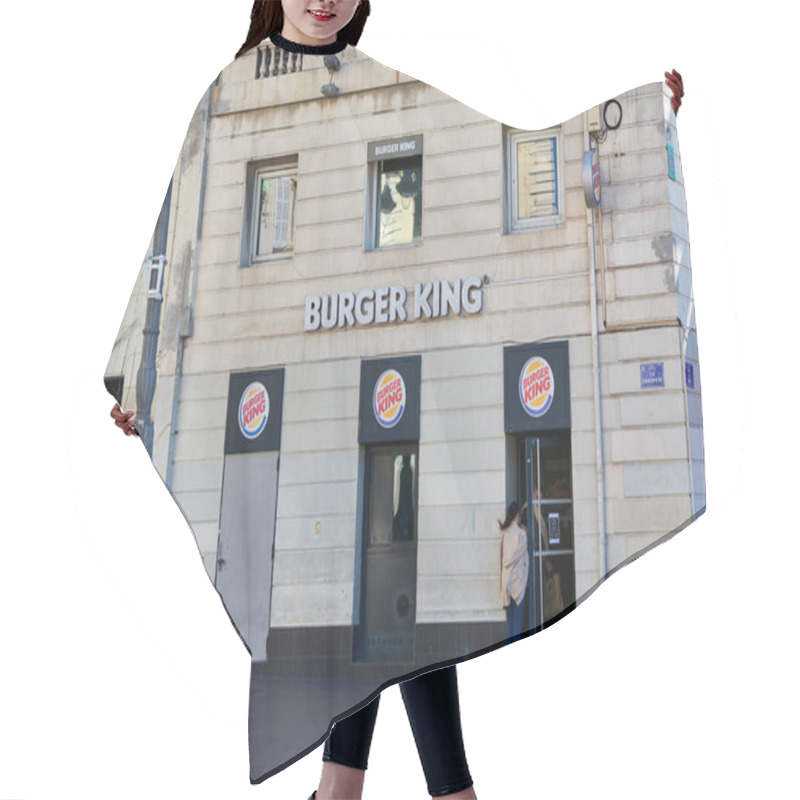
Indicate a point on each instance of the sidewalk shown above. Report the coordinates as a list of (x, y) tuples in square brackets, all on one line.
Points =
[(289, 717)]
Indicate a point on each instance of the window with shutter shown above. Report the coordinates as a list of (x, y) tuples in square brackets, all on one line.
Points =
[(534, 198)]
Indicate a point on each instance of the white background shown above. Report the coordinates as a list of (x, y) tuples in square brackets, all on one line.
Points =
[(120, 675)]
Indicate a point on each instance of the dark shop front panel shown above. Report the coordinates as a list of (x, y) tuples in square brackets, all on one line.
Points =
[(389, 402), (536, 380), (255, 409)]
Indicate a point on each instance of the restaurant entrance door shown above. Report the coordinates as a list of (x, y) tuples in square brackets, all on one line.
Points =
[(544, 485), (389, 557)]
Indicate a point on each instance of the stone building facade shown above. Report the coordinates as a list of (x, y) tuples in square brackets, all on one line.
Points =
[(314, 241)]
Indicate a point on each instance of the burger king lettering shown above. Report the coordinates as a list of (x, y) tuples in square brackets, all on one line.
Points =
[(536, 386), (395, 147), (387, 304), (390, 395), (253, 408)]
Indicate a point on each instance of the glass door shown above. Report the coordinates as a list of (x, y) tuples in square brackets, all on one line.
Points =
[(388, 611), (545, 489)]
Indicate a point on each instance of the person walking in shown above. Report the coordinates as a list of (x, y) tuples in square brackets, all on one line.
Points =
[(514, 569)]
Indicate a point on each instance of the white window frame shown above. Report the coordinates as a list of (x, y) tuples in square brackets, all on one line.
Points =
[(279, 172), (256, 171), (513, 223)]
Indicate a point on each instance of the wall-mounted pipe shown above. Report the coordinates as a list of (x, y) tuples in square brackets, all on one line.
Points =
[(598, 417), (187, 323)]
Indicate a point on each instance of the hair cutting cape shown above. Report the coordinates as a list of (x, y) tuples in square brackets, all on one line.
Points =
[(368, 320)]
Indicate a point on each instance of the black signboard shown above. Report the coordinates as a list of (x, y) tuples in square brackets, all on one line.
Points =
[(536, 387), (255, 409), (389, 400), (389, 149)]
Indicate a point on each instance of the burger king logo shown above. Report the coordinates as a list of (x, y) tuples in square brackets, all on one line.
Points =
[(536, 386), (596, 177), (389, 398), (253, 410)]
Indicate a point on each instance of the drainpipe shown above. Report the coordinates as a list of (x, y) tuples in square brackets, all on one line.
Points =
[(598, 418), (683, 334), (147, 374), (187, 312)]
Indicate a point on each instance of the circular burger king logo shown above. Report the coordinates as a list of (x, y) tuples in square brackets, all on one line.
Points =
[(536, 386), (389, 398), (253, 410)]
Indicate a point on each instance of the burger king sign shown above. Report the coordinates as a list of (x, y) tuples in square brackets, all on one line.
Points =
[(536, 387), (389, 398), (253, 410)]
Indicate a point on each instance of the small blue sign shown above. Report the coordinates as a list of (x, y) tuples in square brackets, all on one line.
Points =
[(652, 375), (671, 161), (689, 376)]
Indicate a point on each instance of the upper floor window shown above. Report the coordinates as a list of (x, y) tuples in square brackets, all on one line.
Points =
[(534, 180), (394, 215), (269, 213), (274, 228)]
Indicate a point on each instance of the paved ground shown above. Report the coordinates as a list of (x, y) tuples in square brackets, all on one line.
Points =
[(289, 716)]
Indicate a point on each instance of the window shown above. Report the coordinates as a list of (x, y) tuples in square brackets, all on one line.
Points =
[(268, 230), (395, 198), (399, 197), (273, 226), (534, 185)]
